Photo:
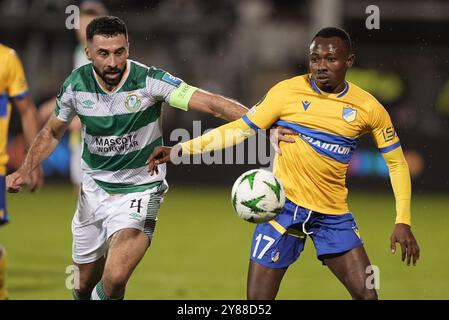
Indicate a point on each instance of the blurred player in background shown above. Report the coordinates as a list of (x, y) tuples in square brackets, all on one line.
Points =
[(119, 104), (14, 88), (89, 10), (329, 114)]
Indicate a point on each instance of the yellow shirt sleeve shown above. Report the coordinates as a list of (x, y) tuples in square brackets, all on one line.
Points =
[(261, 116), (382, 129), (17, 84), (387, 141), (268, 110), (219, 138), (400, 181)]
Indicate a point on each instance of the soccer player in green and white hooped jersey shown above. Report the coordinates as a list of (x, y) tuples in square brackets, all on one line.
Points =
[(119, 104)]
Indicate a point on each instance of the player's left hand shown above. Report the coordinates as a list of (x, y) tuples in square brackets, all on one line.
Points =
[(16, 180), (278, 134), (402, 233)]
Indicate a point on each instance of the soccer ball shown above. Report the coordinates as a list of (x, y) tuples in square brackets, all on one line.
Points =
[(257, 196)]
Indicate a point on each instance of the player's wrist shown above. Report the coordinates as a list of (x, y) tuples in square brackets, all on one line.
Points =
[(403, 224)]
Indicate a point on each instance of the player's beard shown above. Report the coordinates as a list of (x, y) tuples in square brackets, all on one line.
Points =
[(109, 81)]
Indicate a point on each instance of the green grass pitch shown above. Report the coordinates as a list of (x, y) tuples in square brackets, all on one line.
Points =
[(200, 249)]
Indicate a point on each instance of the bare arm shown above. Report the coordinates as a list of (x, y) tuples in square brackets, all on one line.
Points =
[(29, 117), (44, 144), (31, 125), (216, 105)]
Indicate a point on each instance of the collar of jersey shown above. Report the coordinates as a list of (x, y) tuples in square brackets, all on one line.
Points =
[(338, 95), (120, 85)]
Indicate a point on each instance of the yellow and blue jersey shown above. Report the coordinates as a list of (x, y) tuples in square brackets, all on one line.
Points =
[(313, 170), (13, 85)]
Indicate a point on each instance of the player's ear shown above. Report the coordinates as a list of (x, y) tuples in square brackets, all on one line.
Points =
[(350, 61), (87, 52)]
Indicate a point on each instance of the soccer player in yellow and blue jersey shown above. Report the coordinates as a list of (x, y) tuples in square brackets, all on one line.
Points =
[(13, 87), (328, 114)]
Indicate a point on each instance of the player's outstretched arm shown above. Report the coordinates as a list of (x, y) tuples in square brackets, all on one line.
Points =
[(227, 135), (216, 105), (44, 144), (400, 181)]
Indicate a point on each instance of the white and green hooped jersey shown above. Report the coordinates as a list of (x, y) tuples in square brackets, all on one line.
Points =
[(121, 128)]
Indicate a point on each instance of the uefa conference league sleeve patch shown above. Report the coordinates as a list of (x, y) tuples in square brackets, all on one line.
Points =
[(168, 78)]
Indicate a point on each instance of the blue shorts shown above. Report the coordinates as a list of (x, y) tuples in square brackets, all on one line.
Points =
[(278, 243), (3, 213)]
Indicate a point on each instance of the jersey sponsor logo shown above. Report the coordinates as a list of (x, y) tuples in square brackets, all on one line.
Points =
[(306, 104), (171, 79), (132, 102), (388, 134), (332, 147), (115, 144), (349, 114)]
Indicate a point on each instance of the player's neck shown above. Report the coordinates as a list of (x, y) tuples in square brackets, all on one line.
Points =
[(109, 87), (337, 89)]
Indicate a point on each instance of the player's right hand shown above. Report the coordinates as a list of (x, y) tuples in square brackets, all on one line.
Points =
[(16, 180)]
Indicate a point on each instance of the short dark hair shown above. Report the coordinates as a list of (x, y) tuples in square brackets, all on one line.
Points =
[(330, 32), (108, 26)]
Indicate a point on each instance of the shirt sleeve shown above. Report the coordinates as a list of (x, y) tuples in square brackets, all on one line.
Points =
[(170, 89), (65, 108), (17, 84), (267, 111), (225, 136), (401, 183), (387, 141), (382, 129)]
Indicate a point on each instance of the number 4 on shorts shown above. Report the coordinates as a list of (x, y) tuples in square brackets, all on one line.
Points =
[(136, 204)]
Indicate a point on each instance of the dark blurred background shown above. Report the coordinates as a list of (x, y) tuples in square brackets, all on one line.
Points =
[(241, 48)]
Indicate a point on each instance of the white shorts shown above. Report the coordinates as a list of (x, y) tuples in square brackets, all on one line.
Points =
[(100, 214)]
